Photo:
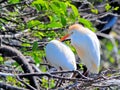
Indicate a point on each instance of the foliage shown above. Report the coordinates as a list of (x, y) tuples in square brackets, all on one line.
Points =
[(13, 81), (94, 11), (46, 84), (1, 59), (107, 7), (46, 20)]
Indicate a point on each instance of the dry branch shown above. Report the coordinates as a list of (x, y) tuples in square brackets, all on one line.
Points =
[(20, 59), (99, 81), (8, 87)]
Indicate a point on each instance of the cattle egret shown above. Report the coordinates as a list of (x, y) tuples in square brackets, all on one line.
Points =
[(87, 46), (60, 55)]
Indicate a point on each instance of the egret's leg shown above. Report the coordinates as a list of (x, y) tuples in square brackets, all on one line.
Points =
[(59, 82), (84, 74), (85, 71)]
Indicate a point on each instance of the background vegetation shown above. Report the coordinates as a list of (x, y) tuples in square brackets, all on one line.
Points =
[(28, 25)]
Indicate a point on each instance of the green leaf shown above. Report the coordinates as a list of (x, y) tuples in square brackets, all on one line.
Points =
[(36, 58), (63, 7), (116, 8), (52, 83), (112, 60), (13, 1), (38, 7), (75, 10), (35, 46), (55, 18), (11, 80), (33, 23), (13, 13), (107, 7), (1, 58), (95, 11), (72, 16), (26, 44), (109, 46), (44, 83), (38, 34), (41, 33), (54, 8), (51, 35), (54, 25), (39, 4), (81, 66), (51, 18), (63, 21), (87, 24)]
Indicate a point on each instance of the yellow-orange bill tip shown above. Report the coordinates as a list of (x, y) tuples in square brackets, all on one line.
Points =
[(64, 37)]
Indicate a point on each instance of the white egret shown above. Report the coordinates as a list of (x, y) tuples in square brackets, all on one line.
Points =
[(60, 55), (87, 46)]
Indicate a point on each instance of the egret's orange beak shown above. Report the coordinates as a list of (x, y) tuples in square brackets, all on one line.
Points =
[(64, 37)]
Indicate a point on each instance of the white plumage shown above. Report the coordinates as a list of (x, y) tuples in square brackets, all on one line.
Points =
[(87, 46), (60, 55)]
